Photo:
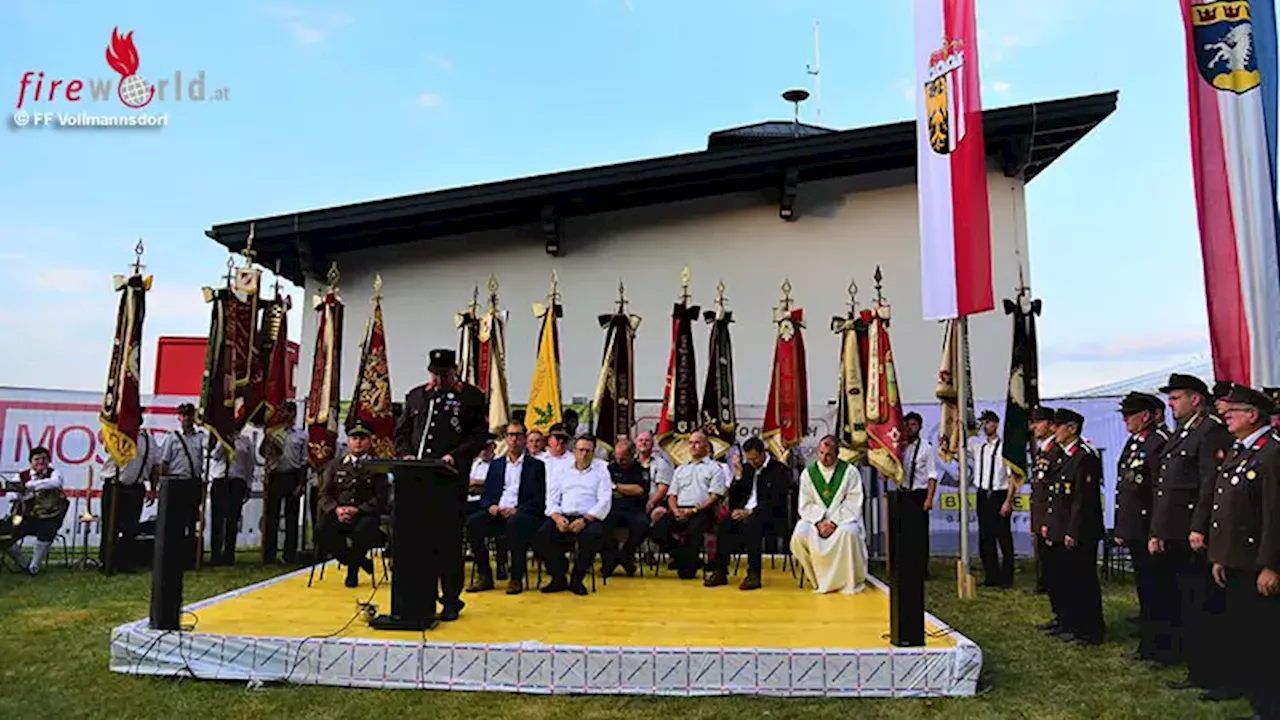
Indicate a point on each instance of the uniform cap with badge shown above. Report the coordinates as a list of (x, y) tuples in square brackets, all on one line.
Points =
[(1042, 414), (1241, 395), (441, 360), (1178, 381), (1067, 415), (1136, 402)]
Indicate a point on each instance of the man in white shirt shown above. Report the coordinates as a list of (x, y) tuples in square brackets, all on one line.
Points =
[(558, 453), (695, 491), (537, 443), (660, 474), (45, 507), (185, 452), (285, 482), (511, 508), (228, 492), (579, 498), (829, 541), (913, 498), (124, 490), (995, 503)]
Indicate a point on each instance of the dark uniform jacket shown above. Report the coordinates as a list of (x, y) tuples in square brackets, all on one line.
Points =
[(459, 423), (634, 474), (1244, 532), (1075, 500), (1045, 463), (531, 498), (1136, 472), (1188, 466), (771, 484), (344, 484)]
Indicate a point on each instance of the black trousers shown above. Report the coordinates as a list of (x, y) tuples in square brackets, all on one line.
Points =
[(226, 498), (735, 536), (518, 530), (1201, 606), (551, 545), (121, 507), (1038, 551), (348, 542), (1081, 595), (686, 552), (1144, 585), (995, 529), (281, 497), (1051, 563), (1164, 601), (914, 546), (1253, 625), (636, 522)]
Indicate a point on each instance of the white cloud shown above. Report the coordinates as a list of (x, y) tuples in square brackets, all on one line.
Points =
[(69, 280), (429, 100), (308, 25), (1000, 87)]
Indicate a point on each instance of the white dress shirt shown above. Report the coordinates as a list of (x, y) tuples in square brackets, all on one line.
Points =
[(696, 481), (989, 470), (571, 491), (511, 484), (919, 465), (553, 462), (479, 471), (139, 468), (35, 484), (755, 483)]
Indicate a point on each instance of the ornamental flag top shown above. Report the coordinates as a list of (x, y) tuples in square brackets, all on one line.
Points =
[(955, 222), (1232, 88)]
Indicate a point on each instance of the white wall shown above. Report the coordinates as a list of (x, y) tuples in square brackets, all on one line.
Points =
[(844, 229)]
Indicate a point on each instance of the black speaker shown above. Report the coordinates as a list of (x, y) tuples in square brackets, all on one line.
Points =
[(908, 525), (172, 551)]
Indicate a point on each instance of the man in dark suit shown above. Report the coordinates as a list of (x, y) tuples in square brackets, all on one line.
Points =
[(1075, 529), (758, 487), (445, 419), (512, 506), (1186, 602)]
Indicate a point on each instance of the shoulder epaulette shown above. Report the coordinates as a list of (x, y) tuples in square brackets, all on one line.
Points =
[(1164, 434)]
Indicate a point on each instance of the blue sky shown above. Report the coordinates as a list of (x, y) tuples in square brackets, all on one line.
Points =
[(338, 102)]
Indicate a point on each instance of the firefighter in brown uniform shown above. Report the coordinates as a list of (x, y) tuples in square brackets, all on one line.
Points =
[(1044, 455), (351, 503), (1135, 472), (1183, 603), (1073, 531), (1244, 549)]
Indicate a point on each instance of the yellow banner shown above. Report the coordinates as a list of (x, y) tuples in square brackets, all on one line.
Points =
[(544, 409)]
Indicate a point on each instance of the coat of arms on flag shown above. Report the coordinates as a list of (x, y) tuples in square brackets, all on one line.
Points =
[(944, 97), (1224, 46)]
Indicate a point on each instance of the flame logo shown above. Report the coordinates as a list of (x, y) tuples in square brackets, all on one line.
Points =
[(122, 56)]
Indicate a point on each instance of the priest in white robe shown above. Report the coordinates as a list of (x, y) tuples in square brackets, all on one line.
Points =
[(829, 541)]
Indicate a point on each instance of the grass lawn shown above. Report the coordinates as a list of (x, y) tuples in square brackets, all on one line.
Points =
[(53, 664)]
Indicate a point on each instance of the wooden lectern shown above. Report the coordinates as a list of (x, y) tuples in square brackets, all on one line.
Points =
[(426, 505)]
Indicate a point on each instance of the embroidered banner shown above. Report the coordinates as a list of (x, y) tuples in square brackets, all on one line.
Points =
[(121, 415)]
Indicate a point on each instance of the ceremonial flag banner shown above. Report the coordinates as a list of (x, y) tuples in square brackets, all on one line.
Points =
[(218, 386), (615, 398), (544, 407), (884, 405), (468, 323), (370, 406), (955, 223), (322, 400), (851, 403), (493, 365), (719, 413), (1232, 87), (243, 318), (953, 429), (786, 415), (275, 355), (121, 415), (679, 415), (1024, 385)]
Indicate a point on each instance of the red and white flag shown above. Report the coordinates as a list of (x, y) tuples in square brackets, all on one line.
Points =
[(955, 223)]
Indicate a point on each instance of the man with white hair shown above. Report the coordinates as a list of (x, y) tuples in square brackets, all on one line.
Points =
[(829, 541)]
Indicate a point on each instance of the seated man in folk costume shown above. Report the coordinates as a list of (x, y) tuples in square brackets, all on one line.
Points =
[(37, 512), (829, 540), (352, 501)]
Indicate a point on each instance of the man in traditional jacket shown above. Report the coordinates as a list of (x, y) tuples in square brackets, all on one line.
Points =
[(1136, 470), (1043, 456), (829, 541), (1244, 548), (759, 486), (40, 490), (350, 507), (1074, 531), (445, 419)]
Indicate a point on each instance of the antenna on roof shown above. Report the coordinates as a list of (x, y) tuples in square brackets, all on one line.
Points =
[(796, 96), (816, 69)]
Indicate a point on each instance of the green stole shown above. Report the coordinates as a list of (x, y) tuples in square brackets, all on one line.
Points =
[(827, 491)]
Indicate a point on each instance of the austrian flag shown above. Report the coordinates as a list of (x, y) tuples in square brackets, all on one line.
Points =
[(955, 224)]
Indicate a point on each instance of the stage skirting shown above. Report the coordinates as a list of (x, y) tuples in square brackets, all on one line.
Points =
[(634, 636)]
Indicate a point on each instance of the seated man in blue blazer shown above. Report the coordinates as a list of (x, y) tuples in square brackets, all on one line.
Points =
[(512, 505)]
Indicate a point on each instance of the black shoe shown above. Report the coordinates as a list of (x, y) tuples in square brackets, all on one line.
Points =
[(353, 576), (577, 588), (366, 564), (1220, 695), (451, 612), (1091, 641), (629, 566), (555, 586), (1184, 684), (608, 568), (502, 572), (1047, 626), (687, 574), (1064, 636)]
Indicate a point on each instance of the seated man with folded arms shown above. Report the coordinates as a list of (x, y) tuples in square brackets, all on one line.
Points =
[(695, 491), (629, 512), (579, 497), (510, 507)]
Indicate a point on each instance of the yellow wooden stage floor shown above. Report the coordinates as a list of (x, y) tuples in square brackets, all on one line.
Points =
[(648, 611)]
